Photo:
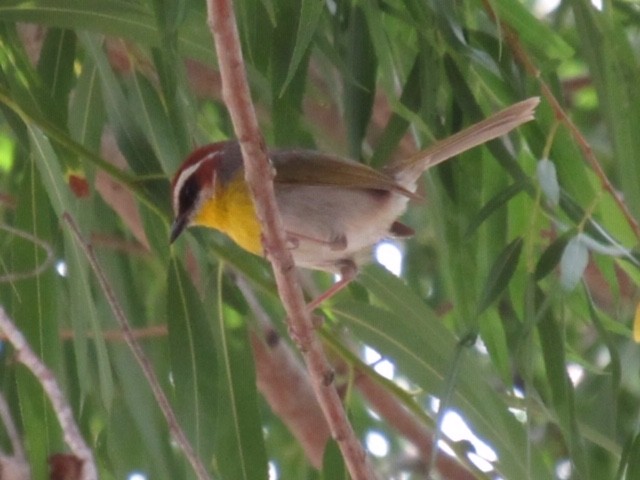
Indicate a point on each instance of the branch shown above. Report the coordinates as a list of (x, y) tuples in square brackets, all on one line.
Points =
[(46, 378), (14, 467), (525, 60), (278, 373), (14, 277), (129, 336), (259, 175)]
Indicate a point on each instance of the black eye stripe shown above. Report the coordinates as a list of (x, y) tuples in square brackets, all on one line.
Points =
[(188, 194)]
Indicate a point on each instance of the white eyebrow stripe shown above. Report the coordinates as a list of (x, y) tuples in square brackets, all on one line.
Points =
[(185, 174)]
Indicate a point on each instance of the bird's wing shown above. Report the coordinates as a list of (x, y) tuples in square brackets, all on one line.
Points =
[(305, 167)]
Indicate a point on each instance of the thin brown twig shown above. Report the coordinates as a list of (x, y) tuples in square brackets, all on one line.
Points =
[(143, 333), (12, 431), (278, 373), (152, 331), (259, 175), (119, 244), (147, 369), (15, 276), (525, 60), (47, 380)]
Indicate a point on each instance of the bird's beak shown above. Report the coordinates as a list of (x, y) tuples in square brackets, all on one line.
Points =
[(178, 225)]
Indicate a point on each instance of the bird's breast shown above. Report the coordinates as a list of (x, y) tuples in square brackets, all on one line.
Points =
[(231, 211)]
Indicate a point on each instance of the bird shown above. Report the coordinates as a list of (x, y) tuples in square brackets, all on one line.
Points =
[(334, 210)]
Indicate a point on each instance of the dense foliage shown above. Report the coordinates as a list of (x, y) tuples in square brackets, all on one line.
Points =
[(516, 300)]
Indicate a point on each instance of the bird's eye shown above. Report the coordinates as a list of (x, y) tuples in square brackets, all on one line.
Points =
[(188, 194)]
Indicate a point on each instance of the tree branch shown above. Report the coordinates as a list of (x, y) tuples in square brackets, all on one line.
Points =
[(127, 332), (521, 55), (259, 175), (47, 379)]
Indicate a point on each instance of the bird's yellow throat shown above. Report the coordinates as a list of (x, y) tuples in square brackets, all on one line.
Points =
[(231, 211)]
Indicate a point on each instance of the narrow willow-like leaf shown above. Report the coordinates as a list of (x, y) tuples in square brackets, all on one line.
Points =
[(531, 31), (51, 173), (18, 75), (614, 69), (85, 318), (494, 338), (551, 256), (425, 359), (562, 393), (630, 462), (85, 125), (256, 24), (56, 69), (240, 451), (136, 416), (180, 109), (408, 332), (397, 125), (466, 100), (193, 360), (32, 304), (607, 409), (170, 17), (153, 119), (119, 18), (308, 21), (359, 86), (333, 467), (131, 140), (499, 200), (501, 272), (286, 103)]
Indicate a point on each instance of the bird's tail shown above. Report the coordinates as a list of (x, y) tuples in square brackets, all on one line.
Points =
[(408, 170)]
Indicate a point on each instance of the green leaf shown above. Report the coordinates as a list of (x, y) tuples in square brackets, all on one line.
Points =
[(51, 173), (193, 360), (397, 125), (630, 461), (500, 199), (142, 420), (333, 467), (562, 393), (614, 69), (85, 317), (85, 125), (408, 332), (359, 88), (170, 14), (287, 107), (33, 305), (56, 69), (531, 31), (132, 142), (153, 119), (501, 272), (310, 13), (551, 256), (240, 450), (119, 18), (494, 338)]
